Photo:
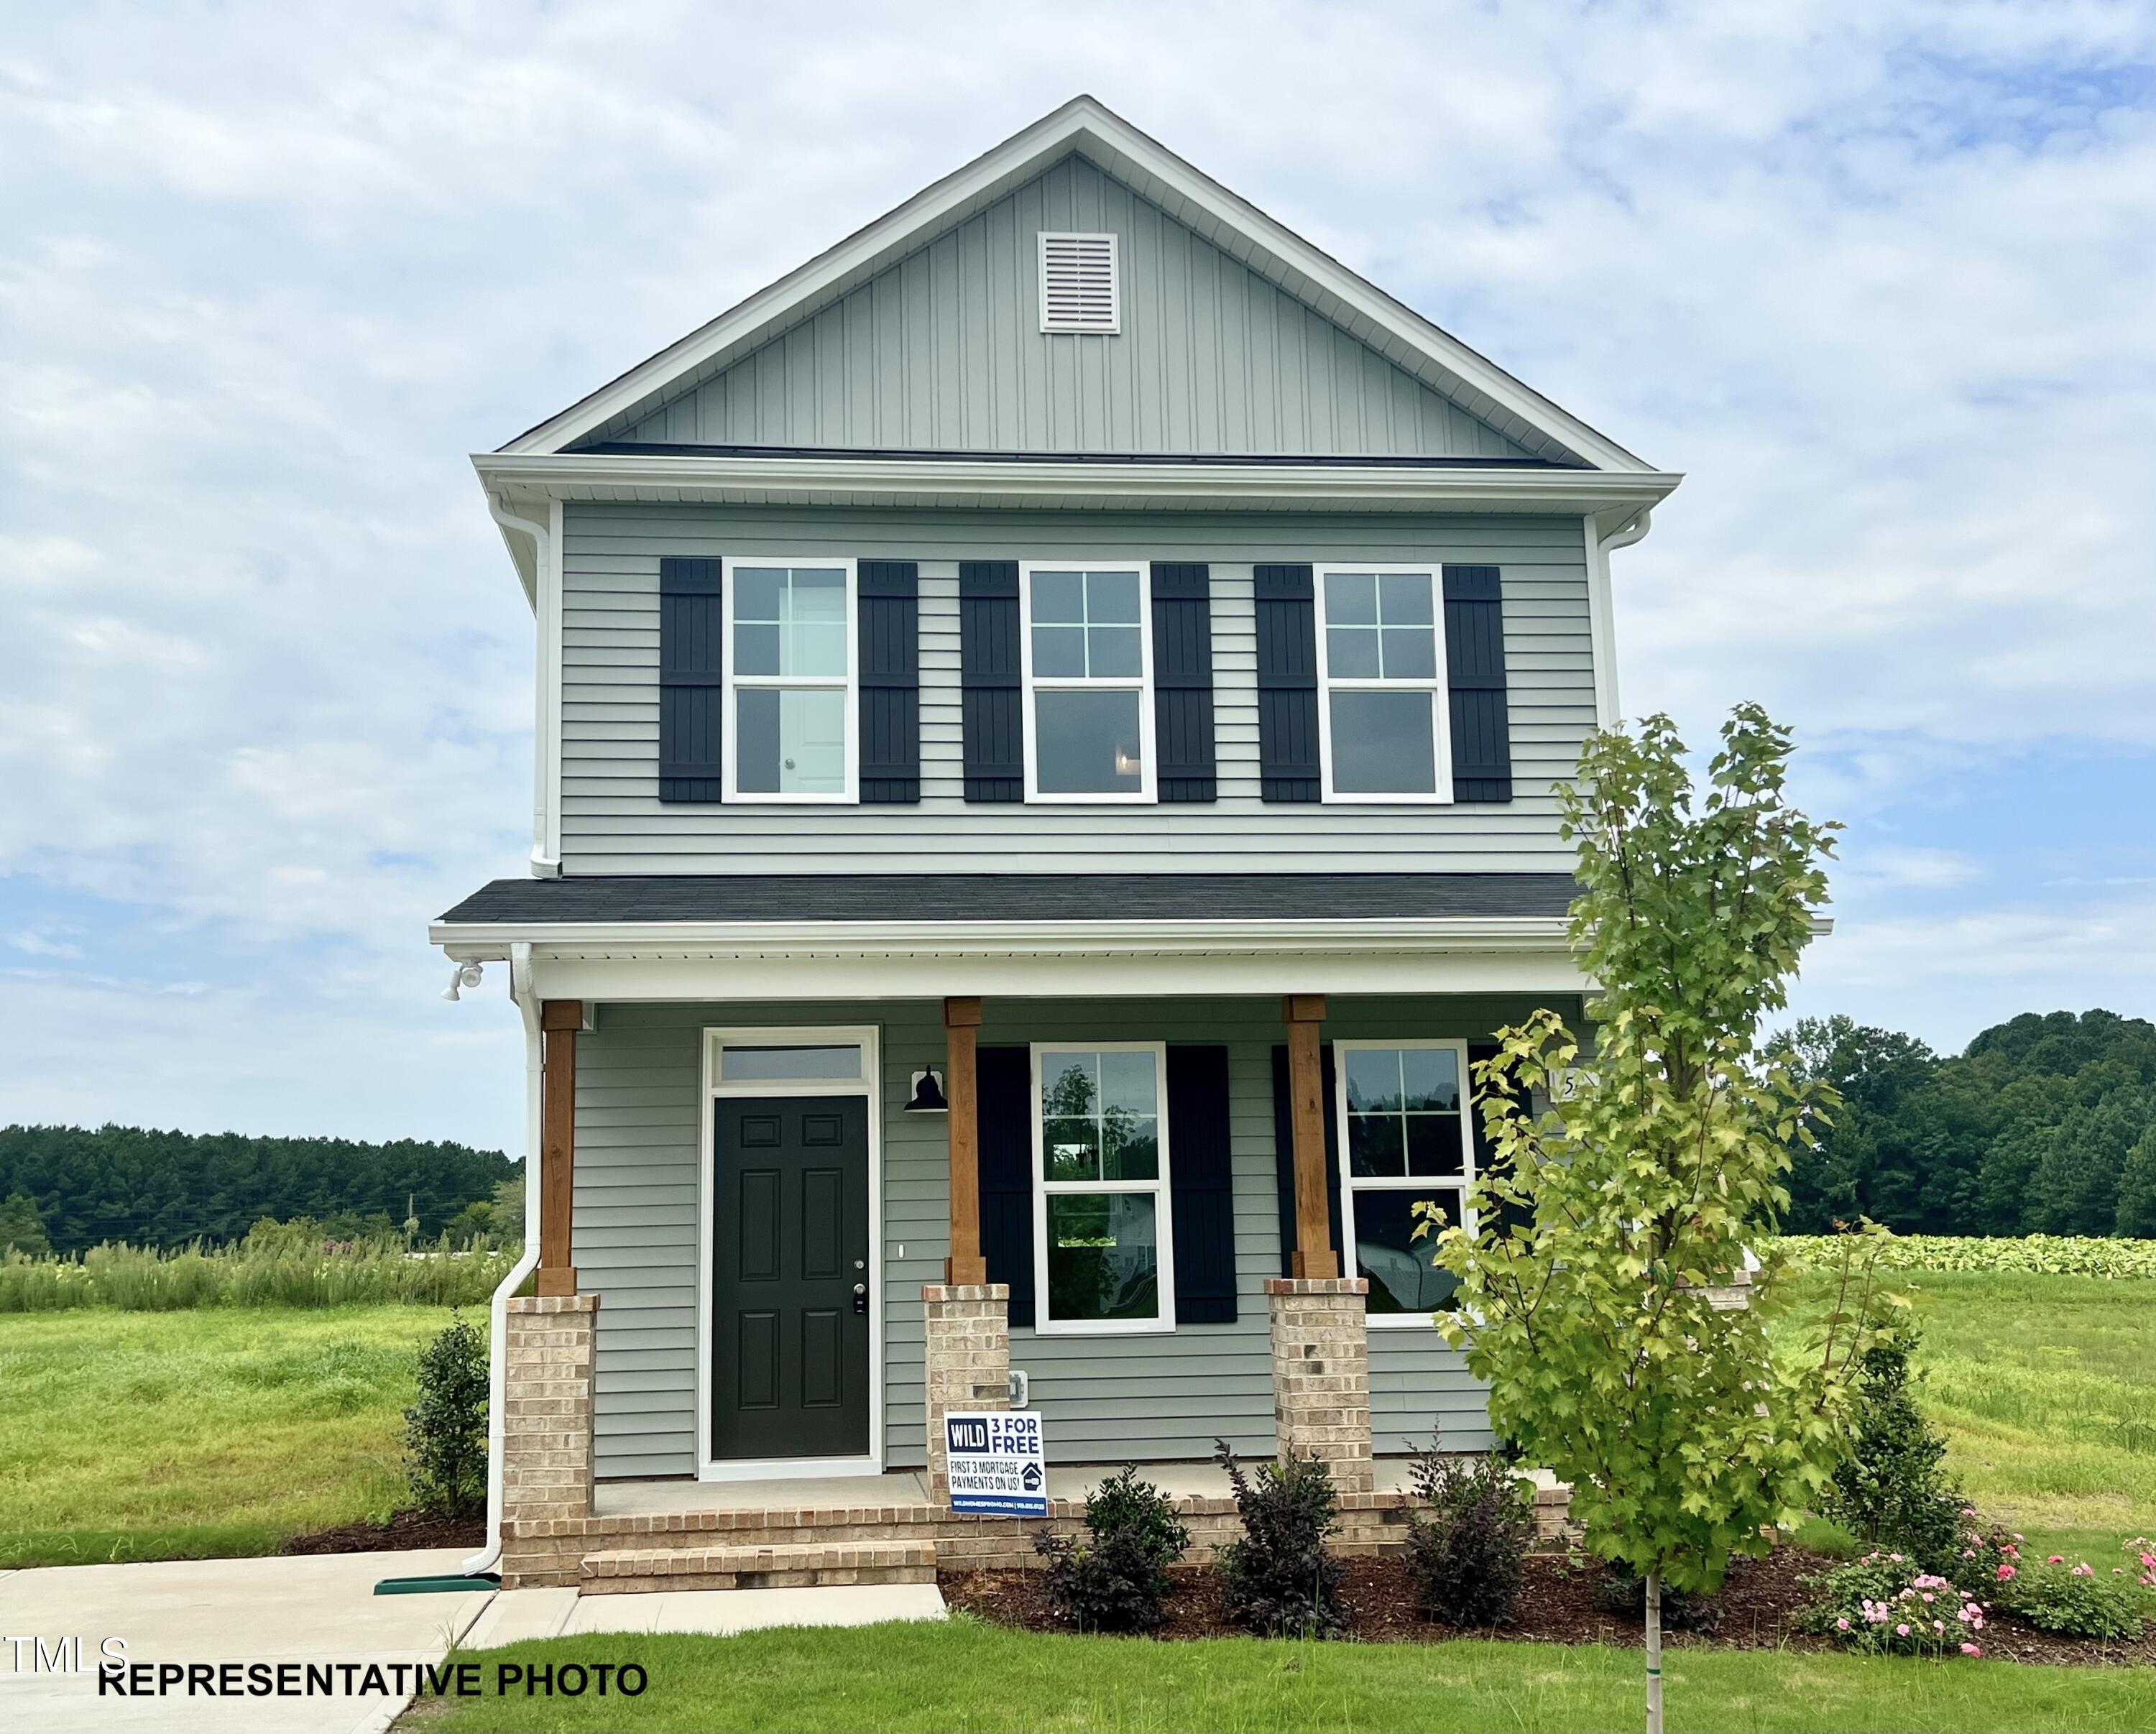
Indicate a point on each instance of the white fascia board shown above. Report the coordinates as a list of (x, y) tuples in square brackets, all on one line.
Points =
[(1105, 137), (724, 479)]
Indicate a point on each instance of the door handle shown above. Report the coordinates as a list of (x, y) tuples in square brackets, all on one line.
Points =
[(861, 1299)]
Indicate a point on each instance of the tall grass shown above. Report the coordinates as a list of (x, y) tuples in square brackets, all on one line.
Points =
[(2017, 1255), (278, 1265)]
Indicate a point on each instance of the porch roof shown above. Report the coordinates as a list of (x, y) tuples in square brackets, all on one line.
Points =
[(988, 897)]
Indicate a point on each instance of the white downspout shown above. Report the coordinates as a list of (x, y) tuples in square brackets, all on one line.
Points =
[(497, 1377), (1602, 610), (547, 682)]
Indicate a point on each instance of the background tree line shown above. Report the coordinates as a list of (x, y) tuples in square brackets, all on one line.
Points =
[(2045, 1125), (70, 1187)]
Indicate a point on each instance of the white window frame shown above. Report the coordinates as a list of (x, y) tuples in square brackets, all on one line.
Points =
[(1148, 783), (730, 724), (869, 1039), (1115, 326), (1439, 687), (1161, 1188), (1352, 1183)]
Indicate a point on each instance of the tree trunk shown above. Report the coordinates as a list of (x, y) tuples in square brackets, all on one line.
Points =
[(1654, 1653)]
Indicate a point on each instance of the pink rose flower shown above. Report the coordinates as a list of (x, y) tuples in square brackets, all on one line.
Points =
[(2006, 1573), (2056, 1559), (1901, 1631), (1970, 1649), (2084, 1570), (1841, 1625)]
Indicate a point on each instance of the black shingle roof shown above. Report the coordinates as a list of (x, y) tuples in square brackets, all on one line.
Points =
[(1015, 896)]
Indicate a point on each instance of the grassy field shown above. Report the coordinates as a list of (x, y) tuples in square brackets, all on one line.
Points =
[(224, 1431), (963, 1675), (2045, 1387)]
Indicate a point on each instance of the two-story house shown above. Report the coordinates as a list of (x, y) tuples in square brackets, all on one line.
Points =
[(1047, 717)]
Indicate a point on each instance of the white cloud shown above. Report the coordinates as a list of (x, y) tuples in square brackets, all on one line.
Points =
[(1875, 275)]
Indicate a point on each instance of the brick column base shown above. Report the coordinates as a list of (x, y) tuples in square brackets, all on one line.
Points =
[(968, 1360), (1322, 1374), (547, 1407)]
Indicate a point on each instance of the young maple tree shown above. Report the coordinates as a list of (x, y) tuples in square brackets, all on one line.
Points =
[(1627, 1180)]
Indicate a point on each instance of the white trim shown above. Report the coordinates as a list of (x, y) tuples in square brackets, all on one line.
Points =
[(543, 589), (1160, 1188), (1114, 327), (1029, 683), (723, 478), (732, 684), (1602, 608), (1114, 144), (1440, 709), (1350, 1184), (870, 1084)]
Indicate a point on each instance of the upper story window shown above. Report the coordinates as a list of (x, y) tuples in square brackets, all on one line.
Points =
[(1088, 665), (1104, 1244), (1404, 1106), (790, 669), (1079, 286), (1381, 706)]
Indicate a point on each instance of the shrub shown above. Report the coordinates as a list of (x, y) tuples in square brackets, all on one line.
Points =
[(1886, 1603), (2075, 1600), (445, 1430), (1891, 1489), (1118, 1582), (1620, 1590), (1468, 1549), (1278, 1580)]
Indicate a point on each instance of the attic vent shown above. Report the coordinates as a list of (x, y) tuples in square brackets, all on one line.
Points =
[(1078, 289)]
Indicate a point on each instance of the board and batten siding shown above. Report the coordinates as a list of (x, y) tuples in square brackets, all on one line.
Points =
[(614, 822), (943, 351), (1106, 1399)]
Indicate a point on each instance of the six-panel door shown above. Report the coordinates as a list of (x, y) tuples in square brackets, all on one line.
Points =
[(789, 1278)]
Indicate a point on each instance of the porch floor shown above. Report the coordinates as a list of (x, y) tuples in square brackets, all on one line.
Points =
[(903, 1487)]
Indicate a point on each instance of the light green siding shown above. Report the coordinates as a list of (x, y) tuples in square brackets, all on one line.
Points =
[(943, 351), (1106, 1398), (613, 821)]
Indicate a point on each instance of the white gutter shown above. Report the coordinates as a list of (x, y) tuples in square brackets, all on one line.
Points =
[(811, 479), (497, 1374), (545, 591)]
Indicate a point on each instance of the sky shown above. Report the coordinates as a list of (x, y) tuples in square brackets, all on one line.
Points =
[(1877, 276)]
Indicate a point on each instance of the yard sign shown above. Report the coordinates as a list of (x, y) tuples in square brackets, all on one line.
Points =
[(996, 1464)]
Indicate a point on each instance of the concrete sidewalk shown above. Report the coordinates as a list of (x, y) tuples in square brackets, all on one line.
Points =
[(316, 1609), (323, 1609)]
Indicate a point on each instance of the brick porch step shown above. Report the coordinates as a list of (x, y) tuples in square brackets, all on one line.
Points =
[(627, 1571)]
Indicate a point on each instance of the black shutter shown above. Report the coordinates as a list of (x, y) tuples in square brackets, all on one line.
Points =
[(691, 695), (890, 680), (1287, 684), (989, 672), (1284, 1159), (1202, 1184), (1475, 669), (1182, 683), (1004, 1083)]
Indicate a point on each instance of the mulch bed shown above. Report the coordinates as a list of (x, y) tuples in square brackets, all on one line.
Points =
[(406, 1530), (1757, 1607)]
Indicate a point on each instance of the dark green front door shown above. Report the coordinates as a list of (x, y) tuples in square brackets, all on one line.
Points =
[(789, 1278)]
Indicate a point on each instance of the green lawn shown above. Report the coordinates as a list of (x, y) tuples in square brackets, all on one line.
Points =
[(221, 1431), (2045, 1387), (963, 1675)]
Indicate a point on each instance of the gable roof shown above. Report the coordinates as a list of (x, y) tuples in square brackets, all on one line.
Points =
[(1085, 127)]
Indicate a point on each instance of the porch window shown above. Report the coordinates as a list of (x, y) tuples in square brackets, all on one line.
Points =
[(1382, 709), (790, 668), (1087, 666), (1102, 1230), (1405, 1140)]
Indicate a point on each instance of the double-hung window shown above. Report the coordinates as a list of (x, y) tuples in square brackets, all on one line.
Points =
[(1104, 1245), (1403, 1110), (1088, 666), (790, 673), (1381, 706)]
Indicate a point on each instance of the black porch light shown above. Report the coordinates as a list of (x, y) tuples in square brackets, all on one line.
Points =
[(928, 1095)]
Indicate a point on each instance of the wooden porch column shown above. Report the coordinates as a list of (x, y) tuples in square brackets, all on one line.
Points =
[(1314, 1255), (962, 1019), (559, 1021)]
